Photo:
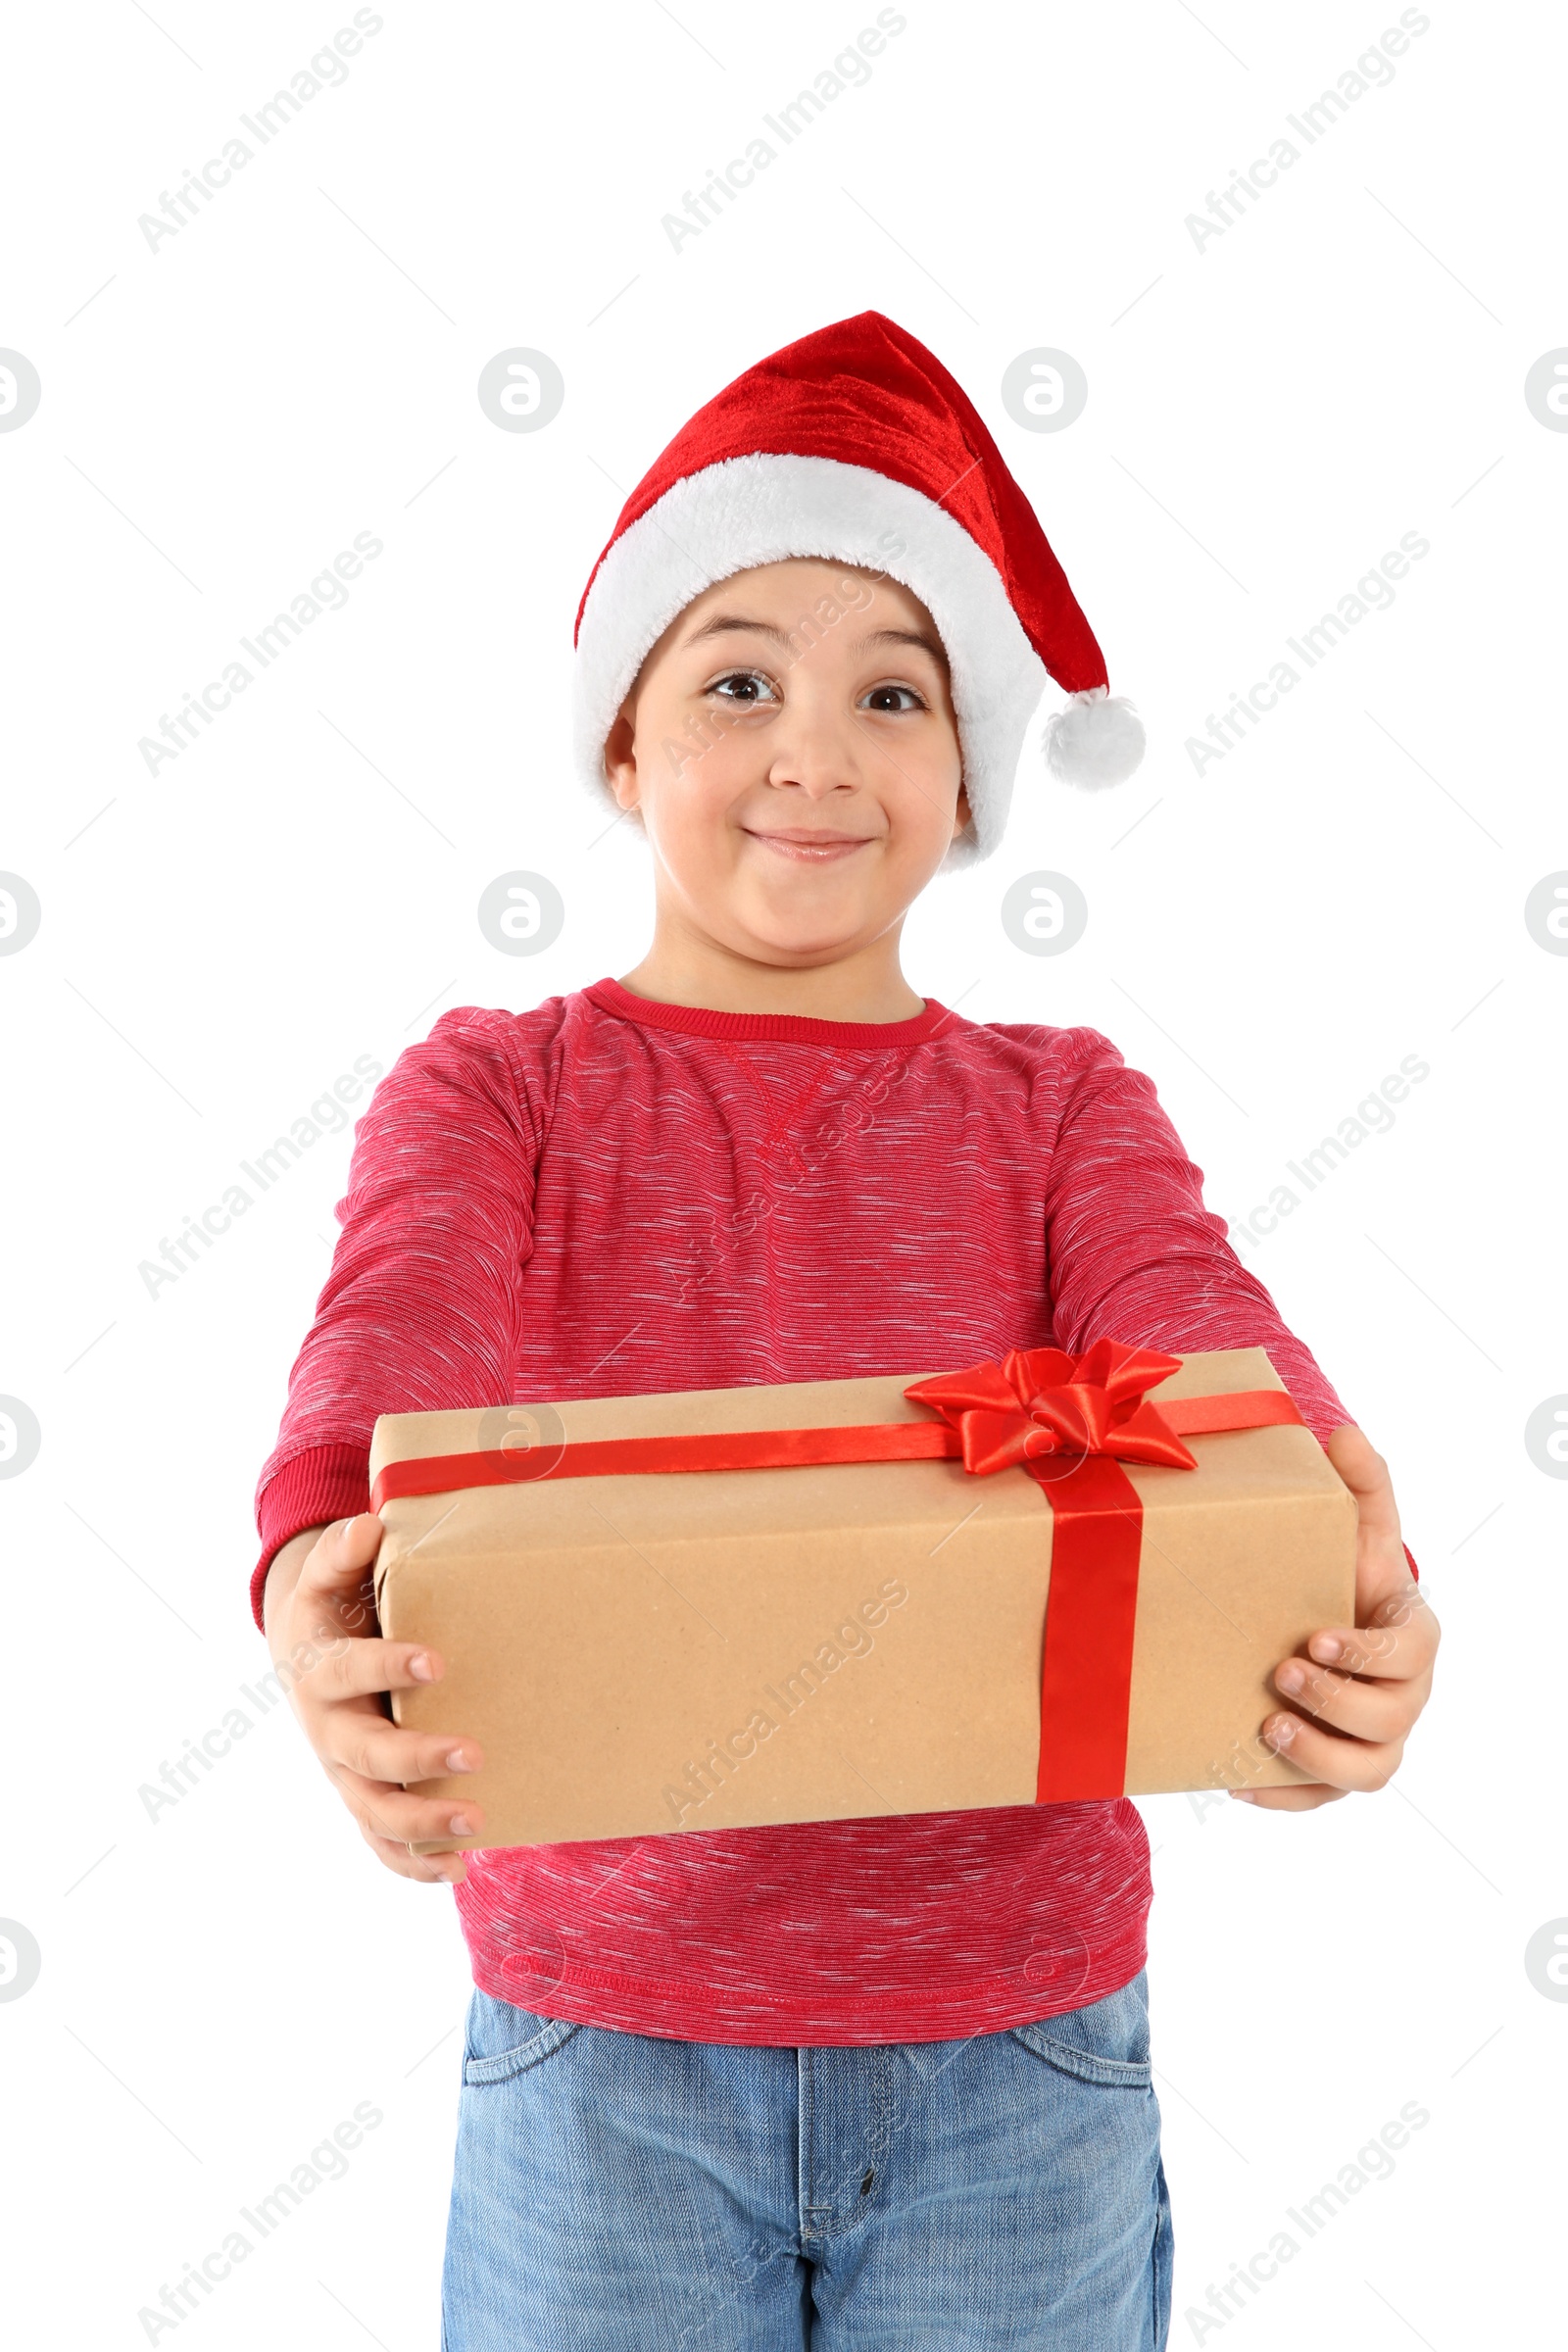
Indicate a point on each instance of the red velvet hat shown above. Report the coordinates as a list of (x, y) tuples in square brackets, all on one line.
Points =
[(857, 444)]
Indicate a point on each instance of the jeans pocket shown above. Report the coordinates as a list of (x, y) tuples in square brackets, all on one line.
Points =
[(502, 2041), (1104, 2043)]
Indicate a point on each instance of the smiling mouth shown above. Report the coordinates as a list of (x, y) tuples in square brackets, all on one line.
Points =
[(813, 847)]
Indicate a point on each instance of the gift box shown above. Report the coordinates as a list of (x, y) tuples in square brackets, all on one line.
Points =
[(1042, 1580)]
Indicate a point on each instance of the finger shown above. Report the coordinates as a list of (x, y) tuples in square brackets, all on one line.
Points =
[(1303, 1796), (1364, 1710), (394, 1813), (429, 1870), (1328, 1756), (352, 1669), (361, 1738), (1398, 1643)]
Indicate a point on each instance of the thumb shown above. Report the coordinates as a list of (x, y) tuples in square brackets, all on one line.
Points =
[(1385, 1587), (336, 1575), (1366, 1474)]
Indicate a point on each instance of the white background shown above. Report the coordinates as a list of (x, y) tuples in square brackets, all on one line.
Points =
[(1268, 415)]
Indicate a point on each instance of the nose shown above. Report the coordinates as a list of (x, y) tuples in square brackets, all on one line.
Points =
[(813, 752)]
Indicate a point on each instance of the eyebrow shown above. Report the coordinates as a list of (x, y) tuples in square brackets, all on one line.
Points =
[(724, 623)]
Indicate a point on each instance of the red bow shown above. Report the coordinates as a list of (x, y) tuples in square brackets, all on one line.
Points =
[(1041, 1401)]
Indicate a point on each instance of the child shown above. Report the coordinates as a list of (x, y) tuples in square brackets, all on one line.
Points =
[(858, 2084)]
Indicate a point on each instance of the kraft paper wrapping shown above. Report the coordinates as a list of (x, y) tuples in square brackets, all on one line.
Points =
[(721, 1649)]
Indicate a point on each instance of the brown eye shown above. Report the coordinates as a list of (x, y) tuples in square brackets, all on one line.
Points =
[(743, 687), (892, 699)]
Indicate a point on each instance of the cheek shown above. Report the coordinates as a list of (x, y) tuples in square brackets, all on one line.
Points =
[(677, 743), (928, 793), (686, 801)]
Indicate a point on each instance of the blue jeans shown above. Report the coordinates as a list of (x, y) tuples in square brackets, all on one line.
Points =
[(619, 2193)]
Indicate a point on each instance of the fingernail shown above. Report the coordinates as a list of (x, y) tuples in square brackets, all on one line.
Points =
[(457, 1761), (1281, 1730), (420, 1668), (1291, 1677), (1326, 1646), (461, 1826), (1242, 1796)]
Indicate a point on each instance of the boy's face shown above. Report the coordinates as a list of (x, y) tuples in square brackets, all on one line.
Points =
[(791, 749)]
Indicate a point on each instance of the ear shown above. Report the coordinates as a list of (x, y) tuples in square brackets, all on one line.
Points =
[(620, 758), (962, 815)]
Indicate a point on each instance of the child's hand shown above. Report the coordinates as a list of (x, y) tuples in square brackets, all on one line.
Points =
[(321, 1623), (1349, 1727)]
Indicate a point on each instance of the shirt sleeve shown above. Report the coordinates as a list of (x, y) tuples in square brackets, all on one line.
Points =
[(1132, 1252), (420, 1312)]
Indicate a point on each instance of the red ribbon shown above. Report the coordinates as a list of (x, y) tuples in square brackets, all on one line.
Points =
[(1071, 1422), (1068, 1421), (1042, 1401)]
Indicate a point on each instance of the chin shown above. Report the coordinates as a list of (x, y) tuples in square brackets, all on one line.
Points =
[(801, 936), (805, 949), (811, 921)]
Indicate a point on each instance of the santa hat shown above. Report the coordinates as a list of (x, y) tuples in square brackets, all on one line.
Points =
[(857, 444)]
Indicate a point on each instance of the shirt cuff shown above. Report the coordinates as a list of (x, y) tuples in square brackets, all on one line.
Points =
[(326, 1483)]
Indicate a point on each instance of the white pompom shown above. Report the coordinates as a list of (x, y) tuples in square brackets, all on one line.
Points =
[(1098, 740)]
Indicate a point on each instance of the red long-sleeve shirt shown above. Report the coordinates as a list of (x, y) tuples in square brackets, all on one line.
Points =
[(608, 1196)]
